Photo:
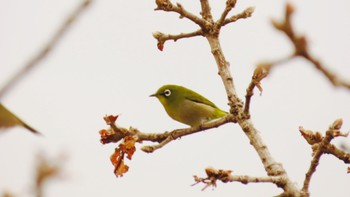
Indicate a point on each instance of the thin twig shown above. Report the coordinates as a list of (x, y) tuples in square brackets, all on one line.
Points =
[(44, 52), (206, 13), (165, 37), (229, 5), (166, 5), (243, 15), (260, 72), (214, 175)]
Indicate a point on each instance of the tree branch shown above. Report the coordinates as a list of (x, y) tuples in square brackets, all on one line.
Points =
[(166, 5), (115, 133), (260, 72), (44, 52), (229, 5), (320, 147), (162, 38), (211, 32), (243, 15), (301, 48), (206, 13), (225, 176)]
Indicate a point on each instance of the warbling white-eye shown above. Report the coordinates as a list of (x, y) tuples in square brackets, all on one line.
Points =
[(187, 106), (8, 119)]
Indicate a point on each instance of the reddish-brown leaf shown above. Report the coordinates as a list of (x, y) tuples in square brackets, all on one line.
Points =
[(130, 148), (116, 157), (160, 46), (110, 119), (121, 169), (105, 135), (348, 169), (127, 147)]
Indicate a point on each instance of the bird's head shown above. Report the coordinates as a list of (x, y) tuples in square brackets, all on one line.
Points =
[(168, 94)]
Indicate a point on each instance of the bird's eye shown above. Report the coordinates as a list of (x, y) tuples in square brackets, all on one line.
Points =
[(167, 92)]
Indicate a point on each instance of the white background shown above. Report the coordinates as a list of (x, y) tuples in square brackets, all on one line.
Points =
[(108, 63)]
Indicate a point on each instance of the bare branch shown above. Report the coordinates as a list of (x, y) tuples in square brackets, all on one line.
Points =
[(211, 32), (260, 72), (167, 6), (333, 78), (229, 5), (301, 48), (116, 133), (162, 38), (44, 52), (340, 154), (243, 15), (320, 148), (206, 11), (214, 175), (165, 37)]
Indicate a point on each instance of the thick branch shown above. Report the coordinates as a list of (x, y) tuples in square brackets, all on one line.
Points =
[(225, 73), (47, 48)]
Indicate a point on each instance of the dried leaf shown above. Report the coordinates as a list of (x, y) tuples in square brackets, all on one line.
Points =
[(130, 148), (105, 135), (110, 119), (348, 169), (121, 169), (115, 157), (127, 147)]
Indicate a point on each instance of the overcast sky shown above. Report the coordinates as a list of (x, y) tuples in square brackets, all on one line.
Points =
[(108, 63)]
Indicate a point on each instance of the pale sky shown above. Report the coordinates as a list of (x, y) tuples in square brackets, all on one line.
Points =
[(108, 63)]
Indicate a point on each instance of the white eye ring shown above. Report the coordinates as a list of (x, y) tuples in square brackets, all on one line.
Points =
[(167, 92)]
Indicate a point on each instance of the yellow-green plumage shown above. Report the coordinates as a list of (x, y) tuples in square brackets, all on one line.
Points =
[(8, 119), (187, 106)]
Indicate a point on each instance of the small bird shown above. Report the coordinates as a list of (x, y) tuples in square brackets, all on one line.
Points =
[(187, 106), (8, 119)]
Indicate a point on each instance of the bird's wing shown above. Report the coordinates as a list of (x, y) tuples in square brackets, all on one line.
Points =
[(195, 97), (8, 119)]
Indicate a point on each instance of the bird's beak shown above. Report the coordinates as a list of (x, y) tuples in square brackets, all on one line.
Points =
[(153, 95)]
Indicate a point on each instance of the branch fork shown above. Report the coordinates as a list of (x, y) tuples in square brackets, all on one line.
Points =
[(205, 22), (322, 145)]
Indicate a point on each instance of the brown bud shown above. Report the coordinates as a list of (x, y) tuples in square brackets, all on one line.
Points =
[(337, 124)]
